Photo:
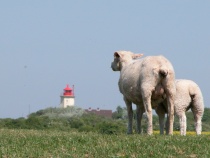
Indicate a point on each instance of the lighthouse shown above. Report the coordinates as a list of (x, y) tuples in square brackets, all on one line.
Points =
[(67, 98)]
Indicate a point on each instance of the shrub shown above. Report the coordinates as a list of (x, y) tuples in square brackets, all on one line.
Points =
[(110, 128)]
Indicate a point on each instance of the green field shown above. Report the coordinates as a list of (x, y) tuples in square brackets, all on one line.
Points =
[(51, 143)]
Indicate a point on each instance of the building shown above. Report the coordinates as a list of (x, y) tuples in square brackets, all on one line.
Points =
[(105, 113), (67, 98)]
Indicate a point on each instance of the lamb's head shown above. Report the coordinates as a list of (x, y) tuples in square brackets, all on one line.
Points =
[(122, 58)]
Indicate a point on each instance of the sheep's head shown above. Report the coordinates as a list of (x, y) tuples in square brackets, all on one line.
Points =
[(122, 58)]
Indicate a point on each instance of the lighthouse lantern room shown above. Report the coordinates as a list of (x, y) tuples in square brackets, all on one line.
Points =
[(67, 98)]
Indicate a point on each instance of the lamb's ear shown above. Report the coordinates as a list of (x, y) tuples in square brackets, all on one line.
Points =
[(135, 56)]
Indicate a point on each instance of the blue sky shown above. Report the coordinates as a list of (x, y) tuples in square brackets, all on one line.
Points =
[(45, 45)]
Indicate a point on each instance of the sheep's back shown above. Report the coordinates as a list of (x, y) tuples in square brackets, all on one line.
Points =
[(141, 71)]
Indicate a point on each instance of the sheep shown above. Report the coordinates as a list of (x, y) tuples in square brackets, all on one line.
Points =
[(188, 96), (144, 82)]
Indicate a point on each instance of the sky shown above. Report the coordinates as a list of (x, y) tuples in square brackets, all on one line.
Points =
[(45, 45)]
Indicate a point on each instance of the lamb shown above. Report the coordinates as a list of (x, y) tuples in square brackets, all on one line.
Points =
[(145, 82), (188, 96)]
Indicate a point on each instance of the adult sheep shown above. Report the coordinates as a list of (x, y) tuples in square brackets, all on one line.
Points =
[(144, 82), (188, 96)]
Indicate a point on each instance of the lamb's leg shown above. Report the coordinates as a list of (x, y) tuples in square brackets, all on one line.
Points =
[(139, 114), (198, 125), (130, 115), (182, 123), (197, 119), (198, 110)]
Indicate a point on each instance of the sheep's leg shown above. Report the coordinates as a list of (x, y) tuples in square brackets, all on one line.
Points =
[(146, 96), (170, 88), (167, 125), (170, 115), (161, 123), (148, 110), (139, 114), (170, 92), (130, 115), (161, 115)]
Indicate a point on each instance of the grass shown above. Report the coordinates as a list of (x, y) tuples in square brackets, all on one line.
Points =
[(34, 143)]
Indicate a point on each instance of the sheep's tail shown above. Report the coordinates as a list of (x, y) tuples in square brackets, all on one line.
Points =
[(163, 72)]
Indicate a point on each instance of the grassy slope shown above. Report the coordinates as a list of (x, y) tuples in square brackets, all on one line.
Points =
[(33, 143)]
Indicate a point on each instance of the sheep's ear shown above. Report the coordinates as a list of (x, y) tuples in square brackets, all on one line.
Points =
[(117, 55), (135, 56)]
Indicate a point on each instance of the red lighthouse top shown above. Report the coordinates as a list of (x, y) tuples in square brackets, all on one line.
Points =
[(68, 91)]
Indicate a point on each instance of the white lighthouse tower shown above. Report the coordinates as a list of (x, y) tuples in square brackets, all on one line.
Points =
[(67, 98)]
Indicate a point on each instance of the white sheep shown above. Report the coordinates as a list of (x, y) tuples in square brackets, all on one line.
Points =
[(188, 96), (144, 82)]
